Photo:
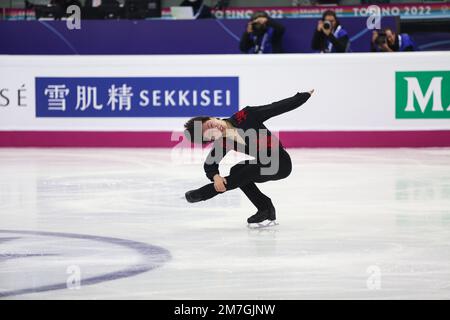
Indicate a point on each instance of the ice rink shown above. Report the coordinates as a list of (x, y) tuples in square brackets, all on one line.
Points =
[(113, 224)]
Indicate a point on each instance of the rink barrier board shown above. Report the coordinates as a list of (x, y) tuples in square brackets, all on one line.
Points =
[(379, 93), (290, 139)]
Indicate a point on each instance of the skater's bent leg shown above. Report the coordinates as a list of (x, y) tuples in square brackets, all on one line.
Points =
[(241, 175), (259, 199)]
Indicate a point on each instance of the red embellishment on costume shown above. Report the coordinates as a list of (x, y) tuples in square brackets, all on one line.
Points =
[(241, 116)]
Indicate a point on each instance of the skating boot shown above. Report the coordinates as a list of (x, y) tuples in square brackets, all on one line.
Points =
[(193, 196), (263, 218)]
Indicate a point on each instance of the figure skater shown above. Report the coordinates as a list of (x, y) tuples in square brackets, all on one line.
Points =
[(244, 132)]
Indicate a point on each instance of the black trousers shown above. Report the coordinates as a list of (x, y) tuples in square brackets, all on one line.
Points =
[(245, 176)]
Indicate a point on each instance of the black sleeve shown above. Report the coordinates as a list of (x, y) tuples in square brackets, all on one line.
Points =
[(277, 39), (246, 42), (263, 113), (339, 43), (317, 42), (219, 150)]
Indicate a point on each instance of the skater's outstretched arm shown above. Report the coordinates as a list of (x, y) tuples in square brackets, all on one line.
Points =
[(266, 112)]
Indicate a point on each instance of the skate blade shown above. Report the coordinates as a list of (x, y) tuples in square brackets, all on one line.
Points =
[(264, 224)]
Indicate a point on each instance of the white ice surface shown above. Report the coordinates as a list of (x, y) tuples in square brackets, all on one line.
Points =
[(343, 214)]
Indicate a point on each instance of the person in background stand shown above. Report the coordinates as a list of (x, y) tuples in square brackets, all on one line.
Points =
[(330, 36), (201, 10), (388, 41), (263, 35)]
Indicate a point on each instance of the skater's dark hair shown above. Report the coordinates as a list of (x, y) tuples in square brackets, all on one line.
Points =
[(189, 131)]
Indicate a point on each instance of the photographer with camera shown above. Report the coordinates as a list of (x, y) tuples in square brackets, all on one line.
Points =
[(329, 35), (387, 40), (263, 35)]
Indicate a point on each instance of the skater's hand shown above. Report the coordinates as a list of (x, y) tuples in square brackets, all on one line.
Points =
[(219, 183)]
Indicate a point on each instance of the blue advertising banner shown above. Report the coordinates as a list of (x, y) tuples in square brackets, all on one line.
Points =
[(136, 96)]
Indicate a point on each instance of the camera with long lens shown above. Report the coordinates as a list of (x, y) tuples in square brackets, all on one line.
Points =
[(381, 38), (258, 28), (326, 25)]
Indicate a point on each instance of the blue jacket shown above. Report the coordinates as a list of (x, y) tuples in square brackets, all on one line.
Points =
[(406, 43)]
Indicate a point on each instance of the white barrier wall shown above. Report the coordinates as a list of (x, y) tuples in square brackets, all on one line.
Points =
[(353, 91)]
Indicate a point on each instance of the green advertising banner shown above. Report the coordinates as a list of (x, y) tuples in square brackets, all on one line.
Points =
[(422, 95)]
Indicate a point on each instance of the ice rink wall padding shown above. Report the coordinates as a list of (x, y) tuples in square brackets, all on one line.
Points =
[(361, 99), (290, 139)]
